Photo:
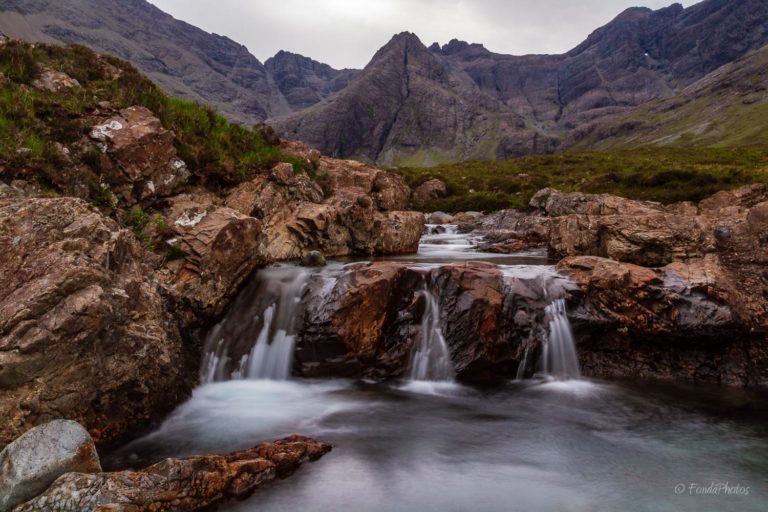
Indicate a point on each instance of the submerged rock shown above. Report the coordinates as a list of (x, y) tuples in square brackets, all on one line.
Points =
[(180, 485), (33, 461)]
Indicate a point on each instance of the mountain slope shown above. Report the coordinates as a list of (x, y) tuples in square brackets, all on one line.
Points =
[(728, 107), (185, 61), (512, 105)]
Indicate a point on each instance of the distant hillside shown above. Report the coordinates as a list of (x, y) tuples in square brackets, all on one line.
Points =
[(415, 105), (185, 61), (728, 107)]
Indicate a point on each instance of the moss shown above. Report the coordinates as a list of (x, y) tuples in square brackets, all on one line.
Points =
[(657, 174)]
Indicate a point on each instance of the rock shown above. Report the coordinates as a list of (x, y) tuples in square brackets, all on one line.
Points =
[(440, 218), (141, 158), (84, 332), (369, 321), (33, 461), (181, 485), (347, 180), (466, 217), (265, 195), (222, 248), (431, 189), (678, 322), (313, 259), (55, 81)]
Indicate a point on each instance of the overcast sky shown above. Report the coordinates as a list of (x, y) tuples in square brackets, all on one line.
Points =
[(346, 33)]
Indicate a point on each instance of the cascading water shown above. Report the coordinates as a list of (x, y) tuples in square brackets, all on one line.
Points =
[(431, 360), (558, 357), (256, 339)]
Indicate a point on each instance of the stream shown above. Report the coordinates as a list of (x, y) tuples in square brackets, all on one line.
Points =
[(558, 442)]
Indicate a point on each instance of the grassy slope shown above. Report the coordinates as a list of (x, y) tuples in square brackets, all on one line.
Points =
[(665, 174), (36, 124)]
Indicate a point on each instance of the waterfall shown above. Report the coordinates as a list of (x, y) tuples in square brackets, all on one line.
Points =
[(256, 338), (558, 357), (431, 359)]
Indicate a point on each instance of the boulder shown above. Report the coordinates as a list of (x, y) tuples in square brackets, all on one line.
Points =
[(55, 81), (180, 485), (140, 158), (368, 322), (221, 248), (429, 190), (84, 331), (346, 180), (41, 455), (440, 218)]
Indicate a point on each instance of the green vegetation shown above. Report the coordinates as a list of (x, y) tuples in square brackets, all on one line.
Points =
[(657, 174), (35, 125)]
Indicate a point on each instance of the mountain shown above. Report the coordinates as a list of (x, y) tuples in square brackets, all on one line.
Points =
[(303, 81), (184, 60), (419, 105), (471, 103), (728, 107)]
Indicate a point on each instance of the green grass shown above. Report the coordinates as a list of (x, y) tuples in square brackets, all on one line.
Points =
[(657, 174), (218, 153)]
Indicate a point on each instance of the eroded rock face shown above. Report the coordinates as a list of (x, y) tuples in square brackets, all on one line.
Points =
[(140, 159), (680, 322), (179, 485), (84, 333), (369, 321), (33, 461), (222, 247)]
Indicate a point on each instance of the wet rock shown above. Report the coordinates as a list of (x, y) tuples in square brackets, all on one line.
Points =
[(431, 189), (313, 259), (84, 332), (180, 485), (678, 322), (369, 321), (33, 461), (141, 160)]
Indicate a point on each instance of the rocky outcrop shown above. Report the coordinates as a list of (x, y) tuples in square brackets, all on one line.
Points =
[(84, 333), (221, 248), (55, 81), (369, 321), (140, 158), (678, 322), (33, 461), (189, 484)]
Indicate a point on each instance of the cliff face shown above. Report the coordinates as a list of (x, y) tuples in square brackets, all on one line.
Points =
[(304, 81)]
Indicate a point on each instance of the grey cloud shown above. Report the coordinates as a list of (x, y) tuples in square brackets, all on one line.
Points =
[(346, 33)]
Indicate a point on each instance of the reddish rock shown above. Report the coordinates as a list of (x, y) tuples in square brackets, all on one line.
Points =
[(221, 249), (55, 81), (84, 333), (179, 485), (141, 160)]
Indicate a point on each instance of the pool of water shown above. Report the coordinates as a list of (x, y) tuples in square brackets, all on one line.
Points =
[(527, 446)]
